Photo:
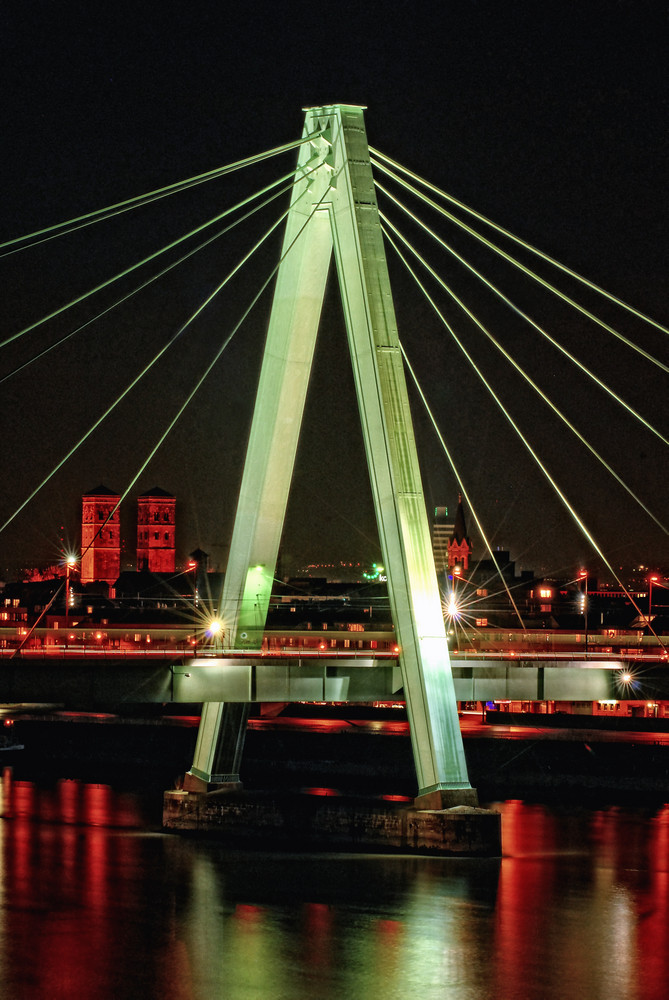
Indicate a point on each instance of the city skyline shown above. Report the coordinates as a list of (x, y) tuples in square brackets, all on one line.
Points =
[(569, 153)]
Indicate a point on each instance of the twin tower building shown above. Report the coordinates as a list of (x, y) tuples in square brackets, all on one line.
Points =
[(101, 534)]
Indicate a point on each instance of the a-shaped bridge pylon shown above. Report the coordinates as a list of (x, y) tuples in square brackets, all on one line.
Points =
[(334, 208)]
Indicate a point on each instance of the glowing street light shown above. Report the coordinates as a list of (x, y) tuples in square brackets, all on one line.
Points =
[(453, 608), (651, 581), (215, 632), (583, 575), (70, 563)]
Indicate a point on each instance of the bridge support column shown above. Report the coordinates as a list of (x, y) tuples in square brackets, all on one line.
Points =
[(334, 208), (219, 747)]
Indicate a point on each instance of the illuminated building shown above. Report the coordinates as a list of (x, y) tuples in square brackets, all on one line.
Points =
[(156, 551), (450, 545), (459, 546), (442, 530), (100, 536)]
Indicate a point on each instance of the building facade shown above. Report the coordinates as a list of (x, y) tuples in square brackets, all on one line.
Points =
[(459, 545), (156, 527), (451, 546), (442, 531), (100, 536)]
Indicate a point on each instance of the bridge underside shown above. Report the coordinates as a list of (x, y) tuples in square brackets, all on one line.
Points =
[(95, 683)]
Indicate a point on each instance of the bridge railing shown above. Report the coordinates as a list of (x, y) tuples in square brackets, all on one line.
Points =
[(180, 640)]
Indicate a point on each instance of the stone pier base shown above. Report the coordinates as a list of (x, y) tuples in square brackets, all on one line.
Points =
[(309, 822)]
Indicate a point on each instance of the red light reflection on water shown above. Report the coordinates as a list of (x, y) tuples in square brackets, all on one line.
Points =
[(249, 914), (19, 799), (389, 941), (70, 802), (98, 805), (61, 880), (317, 935), (585, 894)]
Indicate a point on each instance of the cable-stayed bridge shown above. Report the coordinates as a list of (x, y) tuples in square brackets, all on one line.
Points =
[(334, 212)]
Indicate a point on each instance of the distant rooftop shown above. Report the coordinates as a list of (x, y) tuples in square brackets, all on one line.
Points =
[(156, 492), (101, 491)]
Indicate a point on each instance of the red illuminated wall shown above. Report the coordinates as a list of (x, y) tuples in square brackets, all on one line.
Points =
[(100, 536), (156, 516), (458, 553)]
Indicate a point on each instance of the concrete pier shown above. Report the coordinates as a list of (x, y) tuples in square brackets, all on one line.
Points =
[(312, 822)]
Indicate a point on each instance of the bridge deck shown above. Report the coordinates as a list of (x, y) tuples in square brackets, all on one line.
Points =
[(90, 677)]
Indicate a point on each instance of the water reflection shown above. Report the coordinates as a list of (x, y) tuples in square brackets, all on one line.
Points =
[(95, 904)]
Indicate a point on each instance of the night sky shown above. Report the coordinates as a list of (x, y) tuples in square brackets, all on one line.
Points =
[(549, 118)]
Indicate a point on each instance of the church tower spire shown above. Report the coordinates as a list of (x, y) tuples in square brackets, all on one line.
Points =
[(459, 546)]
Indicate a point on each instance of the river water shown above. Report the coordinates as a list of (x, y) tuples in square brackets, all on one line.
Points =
[(98, 902)]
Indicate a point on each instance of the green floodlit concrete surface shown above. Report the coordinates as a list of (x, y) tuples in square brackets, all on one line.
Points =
[(339, 201)]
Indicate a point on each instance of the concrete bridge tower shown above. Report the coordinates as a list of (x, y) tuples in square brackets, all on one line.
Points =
[(334, 211)]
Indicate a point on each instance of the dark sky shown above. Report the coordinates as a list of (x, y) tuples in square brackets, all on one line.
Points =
[(549, 118)]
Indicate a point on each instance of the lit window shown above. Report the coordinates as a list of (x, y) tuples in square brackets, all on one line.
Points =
[(480, 622), (545, 592), (482, 592)]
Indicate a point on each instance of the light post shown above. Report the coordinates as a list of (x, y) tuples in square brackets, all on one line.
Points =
[(70, 563), (651, 581), (583, 575)]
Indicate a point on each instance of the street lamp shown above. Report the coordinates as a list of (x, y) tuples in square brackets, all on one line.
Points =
[(651, 581), (70, 563), (583, 575)]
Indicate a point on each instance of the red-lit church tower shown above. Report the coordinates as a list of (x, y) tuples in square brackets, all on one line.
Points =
[(459, 546), (156, 517), (100, 536)]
